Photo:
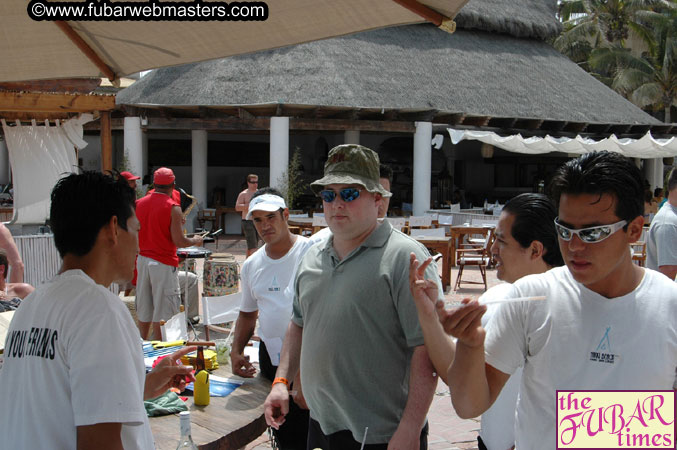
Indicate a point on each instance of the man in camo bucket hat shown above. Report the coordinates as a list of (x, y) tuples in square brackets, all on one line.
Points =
[(351, 164), (359, 275)]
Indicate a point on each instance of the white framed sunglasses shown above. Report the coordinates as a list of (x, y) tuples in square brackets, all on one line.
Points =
[(590, 235)]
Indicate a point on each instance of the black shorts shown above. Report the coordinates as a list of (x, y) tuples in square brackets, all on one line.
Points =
[(343, 440)]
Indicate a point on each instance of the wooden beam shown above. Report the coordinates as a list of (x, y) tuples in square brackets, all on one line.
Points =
[(86, 49), (44, 102), (262, 124), (106, 142), (429, 14), (342, 125), (61, 85)]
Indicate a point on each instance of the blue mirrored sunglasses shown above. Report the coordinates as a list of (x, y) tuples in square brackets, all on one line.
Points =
[(589, 235), (347, 194)]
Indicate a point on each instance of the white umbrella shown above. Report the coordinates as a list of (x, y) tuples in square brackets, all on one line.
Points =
[(33, 50)]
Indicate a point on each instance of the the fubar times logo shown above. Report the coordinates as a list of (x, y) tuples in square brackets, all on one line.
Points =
[(615, 419)]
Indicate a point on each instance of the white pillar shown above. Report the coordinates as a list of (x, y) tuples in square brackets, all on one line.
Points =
[(653, 172), (199, 167), (5, 169), (279, 149), (422, 164), (351, 137), (133, 144)]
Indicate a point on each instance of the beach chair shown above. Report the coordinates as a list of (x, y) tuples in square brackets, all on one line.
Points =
[(479, 257), (220, 310)]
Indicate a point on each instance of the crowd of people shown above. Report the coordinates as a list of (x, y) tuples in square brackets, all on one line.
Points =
[(353, 323)]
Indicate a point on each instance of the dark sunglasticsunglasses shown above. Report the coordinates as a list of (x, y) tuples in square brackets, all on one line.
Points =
[(589, 235), (347, 194)]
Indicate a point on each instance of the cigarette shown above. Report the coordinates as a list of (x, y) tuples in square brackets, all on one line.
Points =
[(457, 304)]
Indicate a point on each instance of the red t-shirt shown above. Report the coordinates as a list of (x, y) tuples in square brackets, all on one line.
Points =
[(155, 239)]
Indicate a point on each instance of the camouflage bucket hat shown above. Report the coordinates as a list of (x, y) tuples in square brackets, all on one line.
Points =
[(351, 164)]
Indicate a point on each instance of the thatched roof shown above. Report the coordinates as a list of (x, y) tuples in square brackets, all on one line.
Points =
[(519, 18), (416, 67)]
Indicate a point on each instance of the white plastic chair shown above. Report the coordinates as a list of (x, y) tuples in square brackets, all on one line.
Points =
[(175, 328), (430, 232), (219, 310), (397, 222), (420, 222)]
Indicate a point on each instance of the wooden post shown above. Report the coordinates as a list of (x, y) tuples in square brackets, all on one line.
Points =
[(106, 142)]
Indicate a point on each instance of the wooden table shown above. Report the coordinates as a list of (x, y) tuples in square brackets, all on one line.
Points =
[(304, 223), (229, 422), (457, 233), (441, 245)]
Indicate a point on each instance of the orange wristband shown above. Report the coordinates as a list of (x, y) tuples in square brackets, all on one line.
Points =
[(280, 380)]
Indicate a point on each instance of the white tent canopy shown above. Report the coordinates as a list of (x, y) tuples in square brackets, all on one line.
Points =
[(39, 156), (646, 147)]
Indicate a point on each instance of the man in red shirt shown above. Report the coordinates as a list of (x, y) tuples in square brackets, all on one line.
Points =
[(157, 288)]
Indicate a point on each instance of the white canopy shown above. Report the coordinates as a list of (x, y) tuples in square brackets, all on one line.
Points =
[(646, 147)]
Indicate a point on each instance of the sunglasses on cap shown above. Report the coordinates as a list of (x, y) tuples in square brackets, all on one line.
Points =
[(590, 235), (347, 194)]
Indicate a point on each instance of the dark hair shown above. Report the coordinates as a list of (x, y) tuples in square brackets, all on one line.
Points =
[(535, 221), (658, 192), (84, 203), (384, 171), (672, 180), (268, 190), (602, 173), (4, 262)]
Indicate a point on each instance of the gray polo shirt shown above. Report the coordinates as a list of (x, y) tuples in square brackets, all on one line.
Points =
[(359, 328)]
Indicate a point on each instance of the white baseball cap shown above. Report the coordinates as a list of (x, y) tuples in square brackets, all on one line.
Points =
[(265, 202)]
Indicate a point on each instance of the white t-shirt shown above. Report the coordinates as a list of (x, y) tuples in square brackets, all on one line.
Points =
[(498, 422), (72, 357), (265, 283), (579, 340), (661, 241)]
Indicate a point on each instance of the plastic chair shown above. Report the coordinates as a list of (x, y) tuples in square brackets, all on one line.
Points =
[(175, 328), (420, 222), (319, 222), (219, 310), (399, 223), (428, 232)]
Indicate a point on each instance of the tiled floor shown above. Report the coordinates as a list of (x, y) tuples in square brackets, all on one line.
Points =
[(447, 430)]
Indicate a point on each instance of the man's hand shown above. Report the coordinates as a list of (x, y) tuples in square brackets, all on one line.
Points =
[(241, 365), (405, 438), (424, 291), (198, 241), (277, 405), (464, 323), (168, 373)]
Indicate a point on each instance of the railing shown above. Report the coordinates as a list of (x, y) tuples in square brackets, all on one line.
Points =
[(40, 258)]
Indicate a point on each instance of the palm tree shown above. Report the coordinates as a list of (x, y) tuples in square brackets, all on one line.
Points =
[(649, 80), (602, 23)]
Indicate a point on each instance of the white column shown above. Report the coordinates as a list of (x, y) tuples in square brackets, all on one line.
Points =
[(5, 169), (422, 164), (653, 172), (279, 149), (133, 144), (199, 167), (351, 137)]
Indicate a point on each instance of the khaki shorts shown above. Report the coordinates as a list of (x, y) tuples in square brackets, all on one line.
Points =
[(250, 234), (157, 290)]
